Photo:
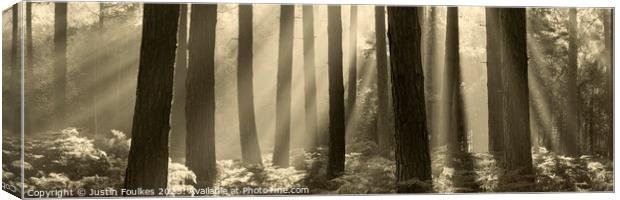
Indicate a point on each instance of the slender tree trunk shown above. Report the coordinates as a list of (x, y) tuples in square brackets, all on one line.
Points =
[(147, 165), (455, 130), (28, 73), (384, 132), (433, 85), (413, 163), (494, 92), (515, 98), (335, 165), (60, 63), (609, 105), (570, 135), (200, 99), (352, 85), (310, 79), (250, 149), (591, 134), (178, 121), (13, 93), (285, 76)]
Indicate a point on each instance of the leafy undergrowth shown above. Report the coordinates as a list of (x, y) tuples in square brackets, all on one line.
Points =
[(371, 174), (236, 174), (66, 159), (364, 174), (553, 173)]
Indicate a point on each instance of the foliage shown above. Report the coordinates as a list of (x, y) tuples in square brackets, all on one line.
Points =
[(11, 166), (53, 160), (364, 174), (234, 173), (65, 159), (558, 173), (65, 152)]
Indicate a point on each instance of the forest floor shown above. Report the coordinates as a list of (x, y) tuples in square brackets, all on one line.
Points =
[(68, 160)]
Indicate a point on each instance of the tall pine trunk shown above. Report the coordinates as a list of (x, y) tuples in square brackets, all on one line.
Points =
[(571, 130), (60, 64), (147, 165), (384, 131), (453, 108), (608, 16), (200, 96), (413, 163), (12, 121), (28, 73), (335, 163), (283, 96), (250, 149), (310, 107), (433, 78), (178, 121), (494, 92), (352, 81), (515, 98)]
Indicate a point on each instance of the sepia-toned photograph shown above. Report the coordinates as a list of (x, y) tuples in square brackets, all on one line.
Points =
[(148, 99)]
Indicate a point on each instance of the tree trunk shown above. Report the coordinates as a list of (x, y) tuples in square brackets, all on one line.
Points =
[(250, 149), (570, 135), (352, 85), (384, 131), (453, 108), (413, 163), (283, 96), (60, 64), (335, 165), (28, 73), (12, 120), (147, 165), (432, 83), (178, 121), (310, 80), (200, 99), (608, 20), (494, 92), (515, 98)]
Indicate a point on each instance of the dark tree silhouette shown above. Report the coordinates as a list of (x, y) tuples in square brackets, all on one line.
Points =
[(413, 163), (352, 81), (60, 64), (335, 163), (147, 165), (384, 131), (515, 98), (200, 96), (608, 21), (569, 136), (310, 107), (496, 132), (250, 149), (11, 109), (177, 118), (457, 141), (28, 72), (283, 90)]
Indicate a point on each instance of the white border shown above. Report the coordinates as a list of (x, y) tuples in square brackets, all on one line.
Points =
[(480, 196)]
